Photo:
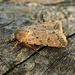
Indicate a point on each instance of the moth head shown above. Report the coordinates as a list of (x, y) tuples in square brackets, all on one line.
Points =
[(21, 35)]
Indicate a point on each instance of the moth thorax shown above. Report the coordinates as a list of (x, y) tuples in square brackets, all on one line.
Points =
[(20, 36)]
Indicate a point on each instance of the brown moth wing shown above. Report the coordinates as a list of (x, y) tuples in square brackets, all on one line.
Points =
[(47, 34), (47, 38), (46, 26), (42, 27), (54, 25)]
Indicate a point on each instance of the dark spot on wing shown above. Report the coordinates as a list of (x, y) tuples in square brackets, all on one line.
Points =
[(34, 28), (40, 41), (48, 39), (27, 31), (37, 37), (53, 32)]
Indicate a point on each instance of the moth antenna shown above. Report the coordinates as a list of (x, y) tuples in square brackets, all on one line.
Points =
[(7, 40), (14, 46)]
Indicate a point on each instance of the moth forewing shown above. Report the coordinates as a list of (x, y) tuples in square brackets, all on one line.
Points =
[(44, 26), (47, 38)]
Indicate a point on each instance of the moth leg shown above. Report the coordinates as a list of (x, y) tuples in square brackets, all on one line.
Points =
[(30, 47), (39, 47), (66, 32), (14, 46), (33, 48)]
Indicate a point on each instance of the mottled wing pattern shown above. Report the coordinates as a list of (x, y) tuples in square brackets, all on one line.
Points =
[(46, 34), (46, 26), (47, 38)]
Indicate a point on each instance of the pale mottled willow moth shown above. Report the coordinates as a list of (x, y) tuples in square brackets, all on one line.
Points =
[(45, 34)]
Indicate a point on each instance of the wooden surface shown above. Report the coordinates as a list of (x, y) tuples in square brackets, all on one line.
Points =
[(25, 61)]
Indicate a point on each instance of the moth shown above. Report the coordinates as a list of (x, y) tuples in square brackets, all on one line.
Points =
[(45, 34)]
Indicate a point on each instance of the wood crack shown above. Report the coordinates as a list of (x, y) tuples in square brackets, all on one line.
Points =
[(59, 59), (24, 60)]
